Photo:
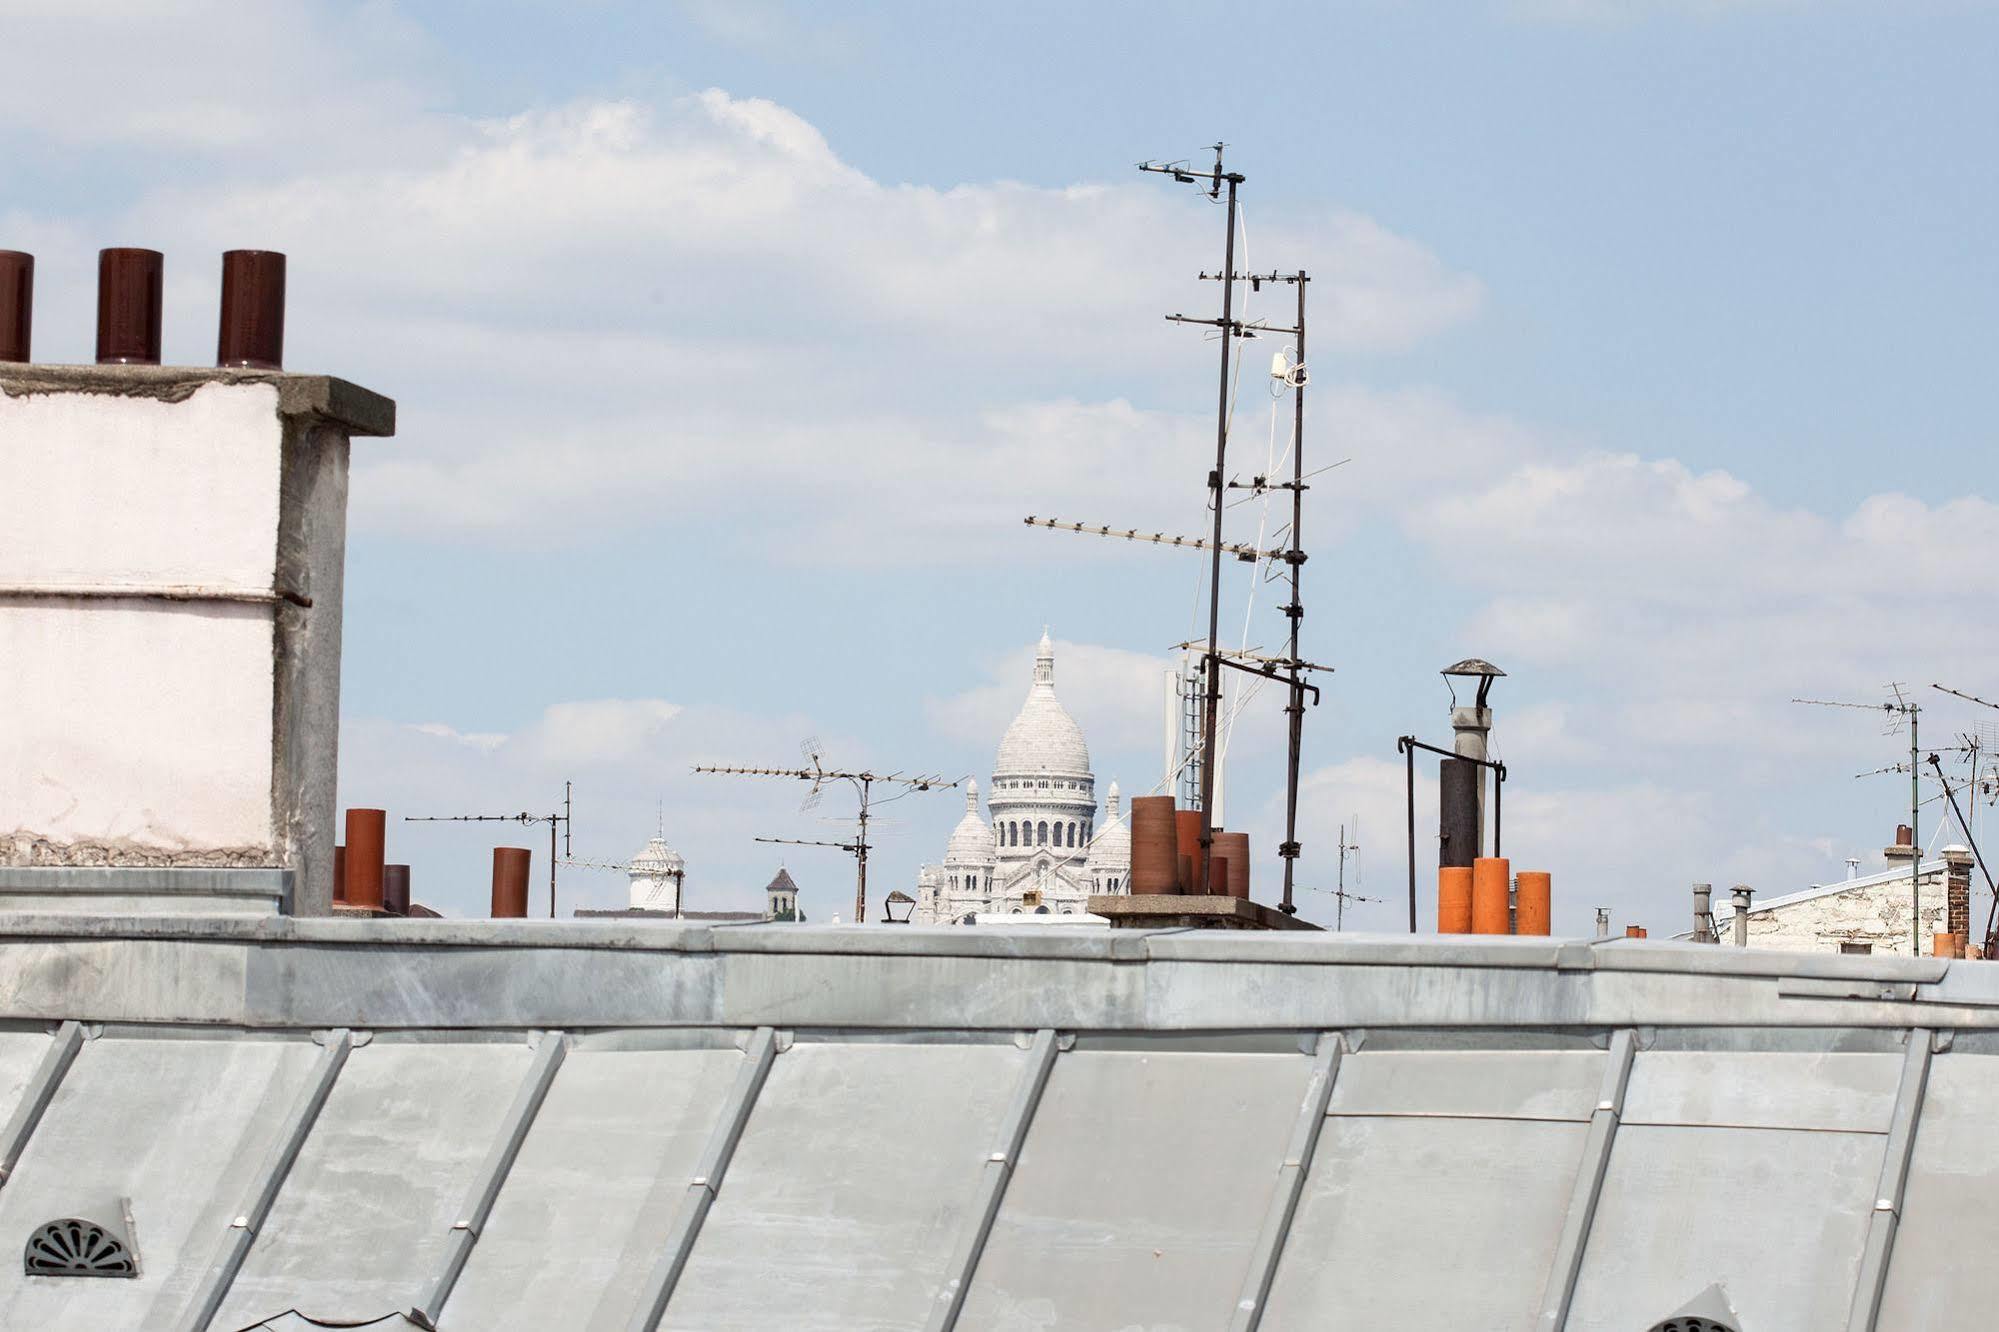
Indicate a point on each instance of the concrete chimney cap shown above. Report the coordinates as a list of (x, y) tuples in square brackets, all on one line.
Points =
[(1957, 851)]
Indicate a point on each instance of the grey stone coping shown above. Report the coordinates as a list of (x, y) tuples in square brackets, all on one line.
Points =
[(127, 880), (361, 411)]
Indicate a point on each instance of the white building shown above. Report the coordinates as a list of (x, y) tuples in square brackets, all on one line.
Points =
[(657, 873), (1868, 914), (1040, 848)]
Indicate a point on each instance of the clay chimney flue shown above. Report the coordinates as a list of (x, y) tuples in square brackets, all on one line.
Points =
[(1453, 899), (1490, 881), (366, 830), (1154, 854), (252, 327), (1235, 845), (510, 882), (129, 285), (17, 304), (1534, 907)]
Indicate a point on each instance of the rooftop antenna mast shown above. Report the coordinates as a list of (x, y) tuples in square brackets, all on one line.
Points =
[(1896, 711), (863, 783), (551, 819), (1216, 180)]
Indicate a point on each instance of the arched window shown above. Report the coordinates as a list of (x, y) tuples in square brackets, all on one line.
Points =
[(1012, 833), (1072, 834), (1042, 839)]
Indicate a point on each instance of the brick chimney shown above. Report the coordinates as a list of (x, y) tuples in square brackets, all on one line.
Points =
[(1957, 890), (170, 612)]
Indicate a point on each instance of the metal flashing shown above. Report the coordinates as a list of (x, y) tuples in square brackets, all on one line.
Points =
[(1568, 1261), (707, 1179), (492, 1174), (242, 1232), (35, 1097), (1886, 1217), (1269, 1249), (992, 1184)]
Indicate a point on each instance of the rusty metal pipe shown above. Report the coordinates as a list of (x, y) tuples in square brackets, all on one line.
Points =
[(128, 306), (17, 304), (366, 829), (251, 332), (510, 882), (340, 874)]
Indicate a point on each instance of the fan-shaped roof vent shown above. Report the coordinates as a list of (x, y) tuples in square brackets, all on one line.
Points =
[(1708, 1311), (72, 1246)]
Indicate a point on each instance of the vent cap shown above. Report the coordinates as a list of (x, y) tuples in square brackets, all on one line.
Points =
[(74, 1246), (1708, 1311)]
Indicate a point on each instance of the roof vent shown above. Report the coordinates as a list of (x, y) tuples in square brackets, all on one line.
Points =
[(1708, 1311), (74, 1247)]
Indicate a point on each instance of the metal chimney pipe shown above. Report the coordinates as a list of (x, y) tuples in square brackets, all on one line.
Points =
[(1743, 895), (17, 304), (252, 326), (366, 832), (1603, 922), (1457, 813), (340, 874), (396, 889), (510, 882), (1704, 913), (128, 306)]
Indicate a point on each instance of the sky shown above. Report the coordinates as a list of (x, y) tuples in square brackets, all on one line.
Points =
[(733, 340)]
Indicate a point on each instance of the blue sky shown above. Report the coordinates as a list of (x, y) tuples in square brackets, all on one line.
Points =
[(732, 341)]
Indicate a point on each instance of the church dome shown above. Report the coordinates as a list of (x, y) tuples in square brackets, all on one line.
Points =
[(972, 840), (658, 858), (1111, 847), (1044, 737)]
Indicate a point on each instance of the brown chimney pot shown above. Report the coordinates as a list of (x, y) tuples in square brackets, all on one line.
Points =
[(366, 831), (1154, 857), (396, 889), (510, 882), (17, 304), (129, 283), (251, 331)]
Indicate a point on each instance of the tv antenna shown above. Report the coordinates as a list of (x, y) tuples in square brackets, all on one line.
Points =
[(551, 819), (1289, 670), (863, 783), (1896, 711), (1340, 895)]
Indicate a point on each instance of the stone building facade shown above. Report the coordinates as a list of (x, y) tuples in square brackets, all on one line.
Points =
[(1864, 915), (1042, 848)]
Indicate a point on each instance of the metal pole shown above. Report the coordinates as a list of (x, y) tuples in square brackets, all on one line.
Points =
[(1410, 802), (861, 862), (1340, 910), (1211, 664), (1916, 842), (551, 869), (1295, 557), (1498, 805)]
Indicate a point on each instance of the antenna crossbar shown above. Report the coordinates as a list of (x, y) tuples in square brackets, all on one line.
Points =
[(1241, 552)]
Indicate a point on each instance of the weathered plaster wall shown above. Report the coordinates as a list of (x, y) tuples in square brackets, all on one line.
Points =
[(1876, 914), (172, 544)]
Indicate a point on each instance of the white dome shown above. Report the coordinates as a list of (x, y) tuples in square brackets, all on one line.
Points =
[(658, 858), (972, 840), (1111, 847), (1044, 737)]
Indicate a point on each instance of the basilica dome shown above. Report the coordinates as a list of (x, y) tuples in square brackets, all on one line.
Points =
[(1110, 849), (972, 840), (1044, 737)]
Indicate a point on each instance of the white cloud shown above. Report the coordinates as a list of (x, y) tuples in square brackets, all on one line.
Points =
[(600, 311)]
